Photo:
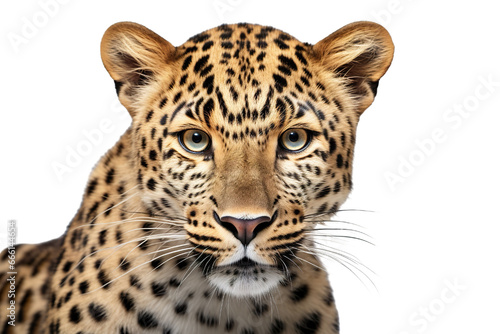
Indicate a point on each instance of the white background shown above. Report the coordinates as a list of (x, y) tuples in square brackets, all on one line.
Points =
[(434, 226)]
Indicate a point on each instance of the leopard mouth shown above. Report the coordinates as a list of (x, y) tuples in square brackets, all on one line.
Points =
[(246, 278), (245, 263)]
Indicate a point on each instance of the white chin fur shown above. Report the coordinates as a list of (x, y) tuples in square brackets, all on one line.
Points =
[(244, 282)]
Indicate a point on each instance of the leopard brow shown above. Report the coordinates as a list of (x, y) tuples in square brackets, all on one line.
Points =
[(176, 111)]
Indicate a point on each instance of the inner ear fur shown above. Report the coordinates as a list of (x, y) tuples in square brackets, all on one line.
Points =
[(133, 55), (360, 53)]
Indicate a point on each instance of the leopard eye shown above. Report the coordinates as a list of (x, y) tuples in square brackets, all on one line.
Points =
[(294, 140), (194, 141)]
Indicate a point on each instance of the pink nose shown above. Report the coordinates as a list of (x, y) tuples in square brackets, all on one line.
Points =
[(245, 230)]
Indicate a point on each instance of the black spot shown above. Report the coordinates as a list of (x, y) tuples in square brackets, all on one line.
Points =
[(104, 279), (207, 320), (102, 237), (176, 99), (124, 330), (305, 81), (22, 305), (146, 320), (200, 63), (227, 45), (187, 62), (325, 191), (168, 155), (206, 70), (152, 184), (34, 324), (340, 161), (199, 38), (333, 145), (226, 34), (134, 281), (162, 104), (98, 312), (309, 324), (208, 84), (247, 331), (163, 119), (279, 82), (127, 301), (159, 289), (281, 107), (180, 308), (156, 264), (54, 327), (174, 282), (67, 266), (299, 293), (336, 326), (277, 327), (260, 309), (261, 56), (152, 155), (282, 45), (336, 188), (75, 315), (300, 56), (229, 325), (288, 62), (110, 176), (91, 186), (207, 45), (83, 287), (181, 264), (191, 49), (208, 107), (124, 264), (222, 103)]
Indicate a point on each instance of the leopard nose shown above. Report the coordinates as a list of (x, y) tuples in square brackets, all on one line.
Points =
[(245, 230)]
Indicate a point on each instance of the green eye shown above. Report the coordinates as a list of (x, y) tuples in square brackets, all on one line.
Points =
[(294, 140), (194, 141)]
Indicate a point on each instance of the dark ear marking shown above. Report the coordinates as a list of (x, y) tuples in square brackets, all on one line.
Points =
[(374, 87), (134, 56), (118, 86), (360, 54)]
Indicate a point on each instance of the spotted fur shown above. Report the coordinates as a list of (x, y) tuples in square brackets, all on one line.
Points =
[(169, 240)]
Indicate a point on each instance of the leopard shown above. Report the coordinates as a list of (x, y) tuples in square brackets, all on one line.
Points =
[(202, 217)]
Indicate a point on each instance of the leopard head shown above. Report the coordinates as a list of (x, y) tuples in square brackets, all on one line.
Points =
[(244, 136)]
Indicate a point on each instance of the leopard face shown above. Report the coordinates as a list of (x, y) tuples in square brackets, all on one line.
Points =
[(243, 138)]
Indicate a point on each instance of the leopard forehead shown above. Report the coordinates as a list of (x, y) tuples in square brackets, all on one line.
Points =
[(243, 81)]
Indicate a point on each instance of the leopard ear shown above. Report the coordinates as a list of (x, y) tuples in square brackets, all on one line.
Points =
[(360, 53), (133, 56)]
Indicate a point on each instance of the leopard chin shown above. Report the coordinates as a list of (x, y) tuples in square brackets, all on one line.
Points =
[(246, 278)]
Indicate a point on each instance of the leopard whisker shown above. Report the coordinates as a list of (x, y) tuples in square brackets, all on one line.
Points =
[(114, 206), (337, 229), (115, 248), (132, 220), (309, 262), (336, 236), (127, 272)]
